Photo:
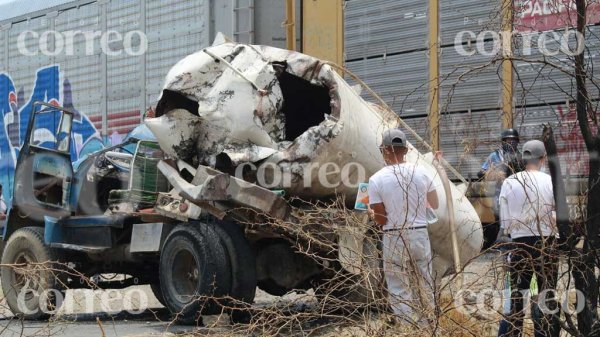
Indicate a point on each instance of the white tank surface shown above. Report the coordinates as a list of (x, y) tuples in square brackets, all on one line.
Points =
[(288, 121)]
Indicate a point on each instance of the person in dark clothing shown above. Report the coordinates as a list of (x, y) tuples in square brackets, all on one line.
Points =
[(502, 162)]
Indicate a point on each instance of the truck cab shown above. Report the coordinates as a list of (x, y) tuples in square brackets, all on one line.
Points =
[(48, 184), (44, 174), (79, 214)]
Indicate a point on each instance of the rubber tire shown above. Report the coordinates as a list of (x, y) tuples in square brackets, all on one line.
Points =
[(242, 261), (157, 291), (243, 269), (214, 280), (31, 240)]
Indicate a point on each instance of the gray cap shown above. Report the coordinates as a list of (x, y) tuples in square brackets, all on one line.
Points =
[(533, 149), (394, 137)]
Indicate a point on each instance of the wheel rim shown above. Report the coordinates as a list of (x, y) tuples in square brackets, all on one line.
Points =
[(25, 275), (186, 275)]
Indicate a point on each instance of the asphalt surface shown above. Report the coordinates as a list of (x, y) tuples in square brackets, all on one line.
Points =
[(88, 313), (91, 313), (88, 326)]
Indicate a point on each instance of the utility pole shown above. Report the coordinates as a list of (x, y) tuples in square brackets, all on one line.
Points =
[(434, 75), (507, 67), (290, 24)]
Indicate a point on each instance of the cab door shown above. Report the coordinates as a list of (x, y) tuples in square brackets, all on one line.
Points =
[(44, 172)]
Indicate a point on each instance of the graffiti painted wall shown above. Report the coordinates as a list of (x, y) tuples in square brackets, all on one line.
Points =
[(109, 91), (16, 107)]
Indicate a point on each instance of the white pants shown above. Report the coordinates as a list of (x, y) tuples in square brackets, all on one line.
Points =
[(408, 273)]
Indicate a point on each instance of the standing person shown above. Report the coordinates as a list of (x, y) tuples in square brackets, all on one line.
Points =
[(2, 206), (500, 164), (505, 160), (398, 197), (527, 214)]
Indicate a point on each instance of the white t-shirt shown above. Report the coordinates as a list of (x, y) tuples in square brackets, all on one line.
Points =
[(527, 205), (402, 188)]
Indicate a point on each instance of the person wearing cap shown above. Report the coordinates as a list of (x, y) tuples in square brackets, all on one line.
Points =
[(527, 216), (398, 195), (501, 163)]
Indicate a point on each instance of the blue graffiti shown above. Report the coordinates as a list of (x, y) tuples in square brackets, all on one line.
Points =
[(15, 113)]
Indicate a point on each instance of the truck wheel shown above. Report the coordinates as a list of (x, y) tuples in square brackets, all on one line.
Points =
[(155, 286), (243, 268), (28, 275), (193, 271), (242, 261)]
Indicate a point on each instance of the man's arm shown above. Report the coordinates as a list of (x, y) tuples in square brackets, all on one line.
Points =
[(553, 216), (504, 214), (376, 203), (432, 199), (379, 214)]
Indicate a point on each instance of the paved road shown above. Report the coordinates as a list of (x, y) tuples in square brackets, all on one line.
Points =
[(82, 308), (86, 325)]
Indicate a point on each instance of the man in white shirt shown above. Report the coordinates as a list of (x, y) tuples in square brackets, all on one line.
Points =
[(527, 215), (398, 196)]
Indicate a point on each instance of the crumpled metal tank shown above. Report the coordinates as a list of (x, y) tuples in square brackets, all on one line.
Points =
[(237, 107)]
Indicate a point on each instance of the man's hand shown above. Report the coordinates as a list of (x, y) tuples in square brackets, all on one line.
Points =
[(502, 238), (371, 212), (379, 213)]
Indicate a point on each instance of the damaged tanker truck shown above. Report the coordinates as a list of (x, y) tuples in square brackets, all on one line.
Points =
[(249, 148)]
